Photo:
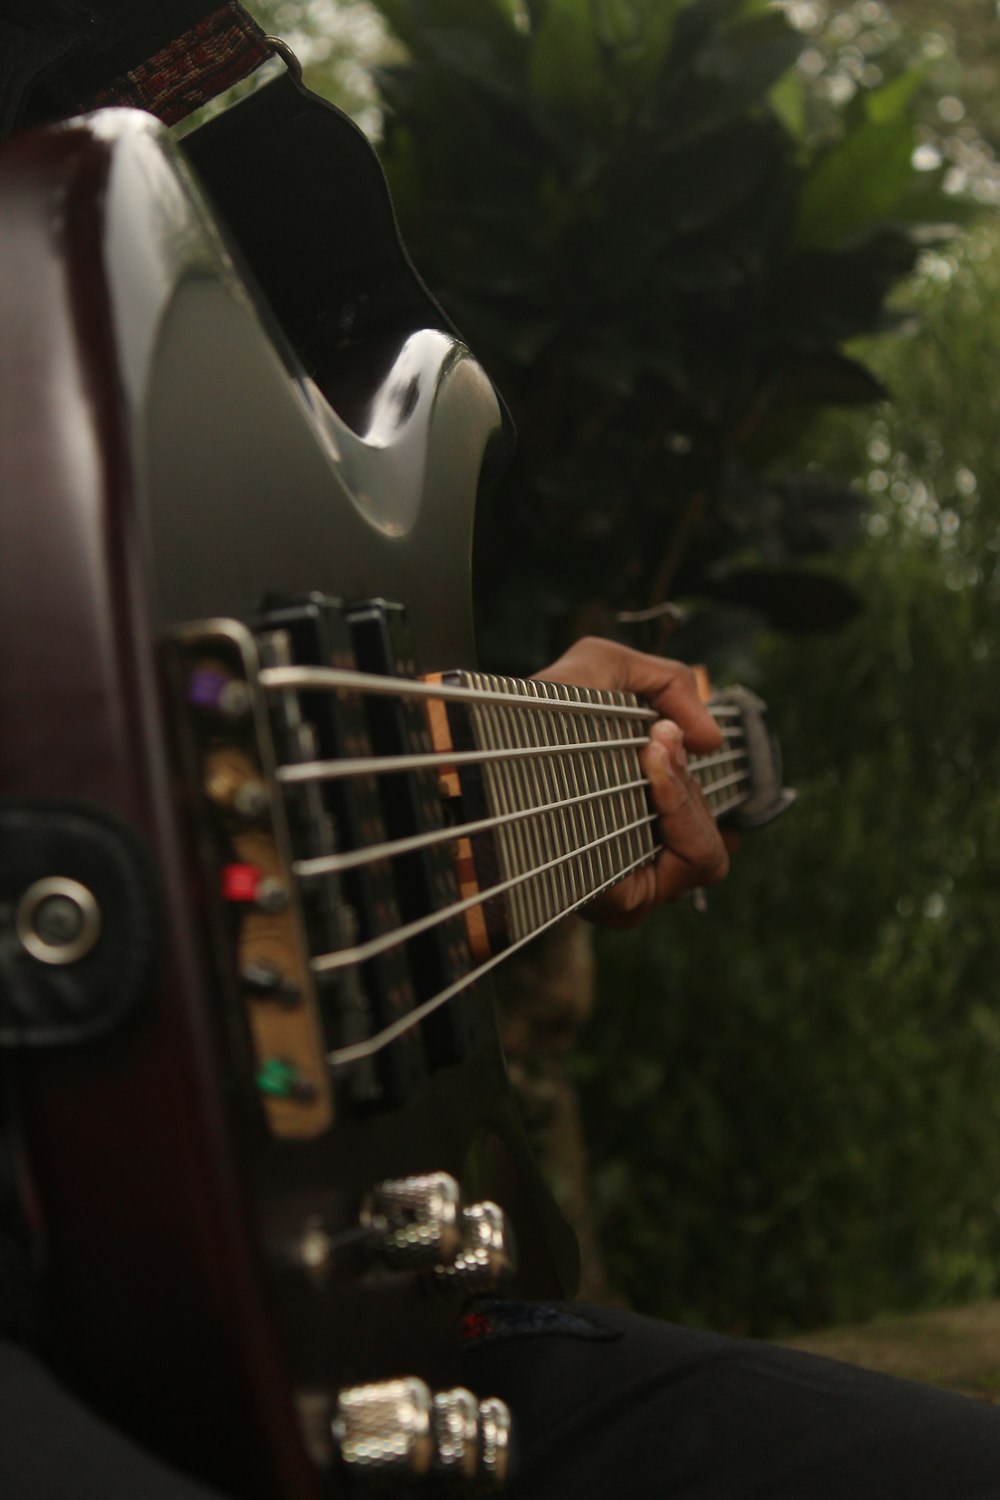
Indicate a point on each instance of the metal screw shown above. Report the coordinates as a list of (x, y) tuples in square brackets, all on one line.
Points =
[(58, 920)]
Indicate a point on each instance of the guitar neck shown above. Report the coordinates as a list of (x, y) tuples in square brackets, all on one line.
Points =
[(551, 776), (502, 804)]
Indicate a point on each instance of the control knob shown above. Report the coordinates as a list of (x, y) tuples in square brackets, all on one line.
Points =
[(396, 1429)]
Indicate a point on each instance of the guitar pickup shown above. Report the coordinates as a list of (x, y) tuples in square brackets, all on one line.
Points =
[(412, 806)]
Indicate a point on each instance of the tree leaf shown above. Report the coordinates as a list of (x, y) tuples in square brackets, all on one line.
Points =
[(415, 21), (788, 100), (826, 378), (566, 67), (867, 174)]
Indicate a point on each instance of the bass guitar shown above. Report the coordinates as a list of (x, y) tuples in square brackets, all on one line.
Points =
[(264, 832)]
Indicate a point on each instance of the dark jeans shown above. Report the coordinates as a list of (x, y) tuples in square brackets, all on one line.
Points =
[(608, 1405), (656, 1411)]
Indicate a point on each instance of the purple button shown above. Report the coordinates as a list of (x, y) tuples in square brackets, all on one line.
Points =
[(205, 687)]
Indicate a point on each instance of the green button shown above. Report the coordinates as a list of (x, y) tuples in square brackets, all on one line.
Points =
[(279, 1078)]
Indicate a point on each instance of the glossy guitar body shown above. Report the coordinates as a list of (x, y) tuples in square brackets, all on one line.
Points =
[(161, 461)]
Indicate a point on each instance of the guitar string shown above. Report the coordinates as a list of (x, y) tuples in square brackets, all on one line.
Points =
[(297, 772), (385, 765), (333, 679), (371, 1046), (333, 864), (343, 958)]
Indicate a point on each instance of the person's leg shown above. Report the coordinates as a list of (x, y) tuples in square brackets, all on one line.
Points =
[(53, 1448), (612, 1405)]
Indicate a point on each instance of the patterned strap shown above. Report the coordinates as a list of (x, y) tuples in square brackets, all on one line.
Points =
[(210, 57)]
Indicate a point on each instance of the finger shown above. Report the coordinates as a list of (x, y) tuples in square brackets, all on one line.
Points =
[(670, 687), (694, 853), (625, 904)]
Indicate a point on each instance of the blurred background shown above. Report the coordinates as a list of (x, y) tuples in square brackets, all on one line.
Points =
[(735, 266)]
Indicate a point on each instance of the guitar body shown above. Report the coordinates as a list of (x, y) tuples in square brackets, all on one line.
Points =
[(162, 461)]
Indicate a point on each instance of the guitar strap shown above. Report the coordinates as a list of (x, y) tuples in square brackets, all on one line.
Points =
[(63, 57)]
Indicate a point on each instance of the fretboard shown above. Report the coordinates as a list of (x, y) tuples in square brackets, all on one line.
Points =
[(553, 774)]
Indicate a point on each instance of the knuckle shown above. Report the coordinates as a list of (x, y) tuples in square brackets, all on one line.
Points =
[(718, 866), (595, 644)]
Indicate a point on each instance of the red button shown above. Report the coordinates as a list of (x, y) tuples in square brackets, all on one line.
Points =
[(240, 882)]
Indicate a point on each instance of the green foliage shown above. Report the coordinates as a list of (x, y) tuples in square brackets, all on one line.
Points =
[(657, 270), (867, 173), (797, 1120), (856, 44)]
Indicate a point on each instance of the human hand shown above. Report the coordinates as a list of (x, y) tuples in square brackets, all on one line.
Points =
[(694, 853)]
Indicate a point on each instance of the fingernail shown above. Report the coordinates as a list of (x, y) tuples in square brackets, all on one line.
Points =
[(671, 737), (658, 767)]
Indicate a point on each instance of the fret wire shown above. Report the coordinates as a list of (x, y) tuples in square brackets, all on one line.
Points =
[(584, 770), (594, 777), (620, 763), (487, 737), (510, 725), (637, 801), (601, 764), (329, 770), (537, 890), (591, 861), (613, 764), (564, 786), (358, 1051), (540, 729), (541, 726), (555, 894), (570, 787), (342, 958), (588, 815)]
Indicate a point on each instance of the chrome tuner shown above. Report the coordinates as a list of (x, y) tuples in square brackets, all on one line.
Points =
[(385, 1429), (486, 1256), (419, 1220), (455, 1420), (396, 1429), (495, 1429)]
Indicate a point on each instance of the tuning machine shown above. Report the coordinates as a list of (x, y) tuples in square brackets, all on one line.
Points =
[(397, 1430), (423, 1225), (487, 1254)]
